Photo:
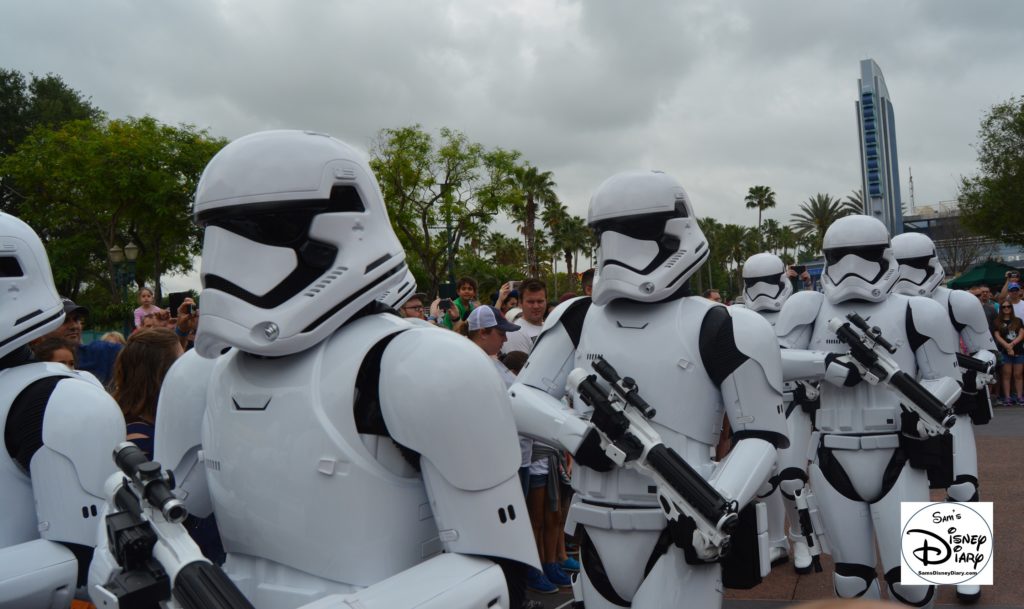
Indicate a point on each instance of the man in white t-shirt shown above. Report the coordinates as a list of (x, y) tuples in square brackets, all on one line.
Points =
[(533, 298)]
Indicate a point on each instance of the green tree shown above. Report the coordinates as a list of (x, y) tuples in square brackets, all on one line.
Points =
[(815, 216), (88, 186), (28, 103), (991, 201), (760, 198), (440, 191), (533, 187), (507, 251), (854, 202), (714, 273)]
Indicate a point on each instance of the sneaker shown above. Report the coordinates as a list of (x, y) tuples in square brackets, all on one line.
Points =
[(556, 575), (570, 565), (537, 582)]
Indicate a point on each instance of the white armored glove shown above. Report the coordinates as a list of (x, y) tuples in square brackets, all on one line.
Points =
[(841, 371)]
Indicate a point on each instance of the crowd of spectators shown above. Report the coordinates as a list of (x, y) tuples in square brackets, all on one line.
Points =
[(1005, 313)]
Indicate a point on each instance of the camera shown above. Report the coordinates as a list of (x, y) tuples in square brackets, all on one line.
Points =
[(799, 268), (1013, 275), (445, 304)]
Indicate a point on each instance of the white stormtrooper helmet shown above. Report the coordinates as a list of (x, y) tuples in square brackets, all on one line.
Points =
[(859, 263), (29, 304), (400, 293), (920, 269), (649, 242), (297, 241), (765, 283)]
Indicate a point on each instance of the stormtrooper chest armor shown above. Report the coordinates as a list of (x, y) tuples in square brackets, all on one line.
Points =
[(291, 478), (656, 345), (863, 408)]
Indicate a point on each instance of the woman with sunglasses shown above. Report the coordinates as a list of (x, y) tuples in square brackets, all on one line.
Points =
[(1009, 334)]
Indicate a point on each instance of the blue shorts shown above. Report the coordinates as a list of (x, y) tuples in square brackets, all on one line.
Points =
[(1012, 359), (538, 481)]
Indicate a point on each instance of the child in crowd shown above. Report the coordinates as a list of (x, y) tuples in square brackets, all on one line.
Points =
[(146, 306)]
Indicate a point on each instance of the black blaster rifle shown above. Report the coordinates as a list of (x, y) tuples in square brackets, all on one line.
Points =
[(628, 439), (156, 555), (870, 352)]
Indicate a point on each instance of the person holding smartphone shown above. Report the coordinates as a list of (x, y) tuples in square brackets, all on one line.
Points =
[(1011, 276), (799, 277), (508, 296)]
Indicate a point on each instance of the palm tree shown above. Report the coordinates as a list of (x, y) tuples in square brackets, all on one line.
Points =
[(761, 198), (770, 235), (854, 202), (787, 241), (504, 250), (534, 187), (573, 237), (736, 240), (815, 216)]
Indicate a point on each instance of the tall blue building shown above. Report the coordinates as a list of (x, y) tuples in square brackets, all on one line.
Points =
[(880, 173)]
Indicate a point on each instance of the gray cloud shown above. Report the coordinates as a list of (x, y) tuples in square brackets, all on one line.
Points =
[(722, 95)]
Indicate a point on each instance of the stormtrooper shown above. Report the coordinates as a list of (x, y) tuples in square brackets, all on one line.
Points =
[(343, 467), (692, 360), (766, 287), (869, 456), (59, 429), (921, 274)]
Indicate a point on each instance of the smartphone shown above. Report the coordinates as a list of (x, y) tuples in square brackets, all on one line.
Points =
[(1014, 275), (799, 268), (191, 309), (175, 299), (445, 304), (515, 284)]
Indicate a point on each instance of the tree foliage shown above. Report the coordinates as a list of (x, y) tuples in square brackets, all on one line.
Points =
[(29, 103), (533, 187), (815, 216), (991, 200), (760, 198), (439, 192), (90, 185)]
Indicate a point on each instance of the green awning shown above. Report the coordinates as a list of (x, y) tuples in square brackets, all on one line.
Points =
[(990, 273)]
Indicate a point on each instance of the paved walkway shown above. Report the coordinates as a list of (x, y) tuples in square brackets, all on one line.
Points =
[(1001, 475)]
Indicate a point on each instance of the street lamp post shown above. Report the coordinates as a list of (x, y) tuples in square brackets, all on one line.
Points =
[(124, 273)]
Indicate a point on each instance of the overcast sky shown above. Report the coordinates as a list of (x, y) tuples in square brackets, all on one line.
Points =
[(724, 95)]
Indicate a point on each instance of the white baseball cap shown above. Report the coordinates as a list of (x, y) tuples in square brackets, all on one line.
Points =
[(487, 316)]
